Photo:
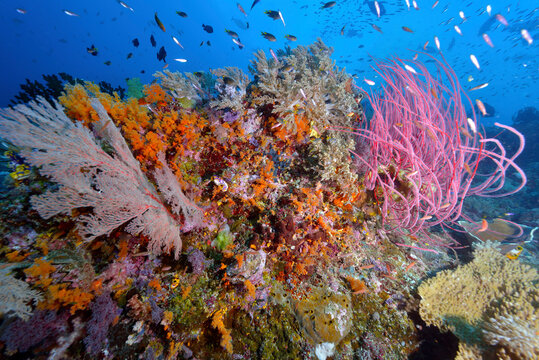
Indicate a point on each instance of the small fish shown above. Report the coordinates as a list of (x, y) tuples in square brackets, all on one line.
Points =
[(465, 132), (408, 4), (470, 78), (177, 42), (369, 82), (232, 33), (515, 253), (21, 11), (375, 27), (426, 217), (446, 205), (159, 23), (126, 6), (202, 43), (135, 42), (468, 169), (407, 29), (489, 10), (475, 62), (342, 30), (129, 56), (268, 36), (482, 86), (207, 28), (290, 37), (92, 50), (152, 40), (108, 62), (410, 69), (274, 56), (509, 214), (208, 43), (415, 56), (282, 19), (484, 226), (180, 60), (501, 19), (303, 93), (457, 29), (70, 13), (462, 16), (254, 3), (287, 68), (182, 14), (487, 40), (377, 7), (425, 45), (329, 4), (228, 81), (526, 35), (481, 107), (241, 9), (161, 54), (272, 14), (437, 42), (435, 4), (414, 3), (237, 42), (472, 125)]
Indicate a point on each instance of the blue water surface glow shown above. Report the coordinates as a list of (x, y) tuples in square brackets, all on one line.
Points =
[(46, 40)]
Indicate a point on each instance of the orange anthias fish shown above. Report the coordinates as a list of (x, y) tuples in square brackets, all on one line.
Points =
[(241, 9), (159, 23), (484, 226), (481, 107)]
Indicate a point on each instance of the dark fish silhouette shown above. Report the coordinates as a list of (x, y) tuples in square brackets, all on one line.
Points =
[(254, 3), (130, 55), (182, 14), (486, 25), (162, 54), (372, 7), (451, 44), (152, 40), (92, 50), (329, 5), (135, 42), (273, 14), (207, 28)]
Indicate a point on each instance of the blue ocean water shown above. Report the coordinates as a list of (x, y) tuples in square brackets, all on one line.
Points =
[(43, 39)]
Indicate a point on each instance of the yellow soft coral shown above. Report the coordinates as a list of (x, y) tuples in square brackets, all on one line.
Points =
[(484, 302)]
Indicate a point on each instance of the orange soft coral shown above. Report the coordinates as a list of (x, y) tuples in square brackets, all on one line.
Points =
[(155, 95)]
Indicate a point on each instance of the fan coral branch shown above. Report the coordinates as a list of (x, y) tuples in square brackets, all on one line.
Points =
[(88, 176)]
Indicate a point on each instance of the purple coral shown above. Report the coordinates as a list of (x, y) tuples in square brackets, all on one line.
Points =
[(197, 260), (42, 328), (104, 311)]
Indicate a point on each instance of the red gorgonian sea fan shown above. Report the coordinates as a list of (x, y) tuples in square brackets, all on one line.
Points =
[(424, 151)]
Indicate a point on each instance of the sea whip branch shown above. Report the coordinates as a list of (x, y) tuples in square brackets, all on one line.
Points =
[(424, 151)]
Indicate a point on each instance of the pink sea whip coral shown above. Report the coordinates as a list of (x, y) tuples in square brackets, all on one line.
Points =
[(423, 150)]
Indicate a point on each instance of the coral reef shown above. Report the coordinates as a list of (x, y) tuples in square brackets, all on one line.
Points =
[(492, 301), (283, 252)]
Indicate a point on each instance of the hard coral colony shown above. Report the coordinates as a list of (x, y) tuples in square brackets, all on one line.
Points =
[(302, 218)]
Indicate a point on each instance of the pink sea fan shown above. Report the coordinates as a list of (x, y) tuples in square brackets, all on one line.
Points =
[(423, 150)]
